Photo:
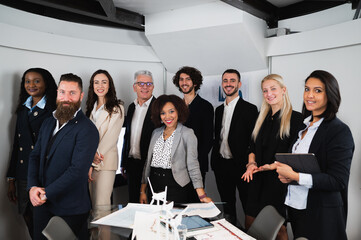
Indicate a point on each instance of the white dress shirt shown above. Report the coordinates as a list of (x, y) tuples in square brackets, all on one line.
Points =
[(297, 194), (136, 128), (224, 150)]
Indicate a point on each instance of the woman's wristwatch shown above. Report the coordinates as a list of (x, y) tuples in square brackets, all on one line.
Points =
[(202, 196)]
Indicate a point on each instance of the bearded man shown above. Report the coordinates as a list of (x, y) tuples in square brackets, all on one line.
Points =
[(59, 164)]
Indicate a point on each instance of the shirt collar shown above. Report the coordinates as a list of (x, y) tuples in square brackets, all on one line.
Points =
[(41, 104), (231, 103), (307, 122), (146, 104)]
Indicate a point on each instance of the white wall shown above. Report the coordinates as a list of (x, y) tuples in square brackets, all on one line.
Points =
[(28, 40)]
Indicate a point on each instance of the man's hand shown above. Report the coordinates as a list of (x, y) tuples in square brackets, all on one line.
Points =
[(12, 191), (37, 196), (90, 179)]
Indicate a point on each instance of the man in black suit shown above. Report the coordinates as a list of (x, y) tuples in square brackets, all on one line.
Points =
[(201, 113), (59, 164), (234, 122), (139, 128)]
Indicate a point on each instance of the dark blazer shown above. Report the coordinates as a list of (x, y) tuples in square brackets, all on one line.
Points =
[(242, 124), (201, 115), (333, 146), (146, 134), (26, 134), (63, 172)]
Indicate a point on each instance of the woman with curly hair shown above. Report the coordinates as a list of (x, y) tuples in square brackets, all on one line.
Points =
[(172, 155), (107, 113), (37, 101)]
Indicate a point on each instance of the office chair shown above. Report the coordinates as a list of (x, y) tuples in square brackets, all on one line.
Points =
[(267, 224), (58, 229)]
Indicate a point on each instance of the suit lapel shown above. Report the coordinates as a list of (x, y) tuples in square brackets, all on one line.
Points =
[(64, 131), (102, 117), (319, 137), (176, 140)]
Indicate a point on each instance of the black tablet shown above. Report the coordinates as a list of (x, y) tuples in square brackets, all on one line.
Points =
[(300, 162), (195, 223)]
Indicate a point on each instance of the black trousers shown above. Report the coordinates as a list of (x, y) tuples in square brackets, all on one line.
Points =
[(228, 178), (134, 178), (160, 178), (78, 223)]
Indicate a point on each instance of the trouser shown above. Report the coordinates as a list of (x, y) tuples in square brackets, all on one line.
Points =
[(78, 223), (228, 178), (134, 178)]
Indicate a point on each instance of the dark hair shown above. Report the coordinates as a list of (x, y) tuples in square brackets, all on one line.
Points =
[(111, 100), (69, 77), (332, 93), (193, 73), (50, 88), (178, 103), (232, 71)]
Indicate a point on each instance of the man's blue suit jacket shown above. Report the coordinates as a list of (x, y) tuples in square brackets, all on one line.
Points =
[(64, 172)]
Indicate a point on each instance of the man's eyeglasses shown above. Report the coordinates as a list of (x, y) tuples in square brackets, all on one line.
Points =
[(144, 84)]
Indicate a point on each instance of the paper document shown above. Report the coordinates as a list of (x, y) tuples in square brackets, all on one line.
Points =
[(125, 217), (223, 230)]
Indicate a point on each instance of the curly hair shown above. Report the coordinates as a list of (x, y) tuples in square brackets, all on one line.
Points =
[(50, 88), (193, 73), (112, 104), (179, 104)]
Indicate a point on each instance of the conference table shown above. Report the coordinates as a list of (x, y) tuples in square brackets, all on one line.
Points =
[(106, 232)]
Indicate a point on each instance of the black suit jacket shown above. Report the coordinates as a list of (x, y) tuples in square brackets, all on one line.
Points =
[(242, 124), (201, 115), (26, 134), (146, 134), (63, 170), (333, 146)]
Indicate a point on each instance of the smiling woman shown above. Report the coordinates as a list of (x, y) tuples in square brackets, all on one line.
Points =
[(107, 113), (172, 157), (36, 103)]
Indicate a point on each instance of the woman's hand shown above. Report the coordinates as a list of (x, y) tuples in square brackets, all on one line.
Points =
[(251, 169), (206, 200), (267, 167), (90, 179), (286, 173), (98, 158), (12, 191), (143, 198)]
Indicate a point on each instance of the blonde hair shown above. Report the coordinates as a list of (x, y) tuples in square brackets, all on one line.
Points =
[(285, 114)]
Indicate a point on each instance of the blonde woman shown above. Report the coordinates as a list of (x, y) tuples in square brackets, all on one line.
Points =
[(107, 113), (276, 126)]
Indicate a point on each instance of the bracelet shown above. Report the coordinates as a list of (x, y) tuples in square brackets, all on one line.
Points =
[(142, 192), (202, 196), (251, 163)]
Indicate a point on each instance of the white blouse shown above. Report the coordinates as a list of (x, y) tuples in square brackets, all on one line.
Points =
[(162, 152), (297, 194)]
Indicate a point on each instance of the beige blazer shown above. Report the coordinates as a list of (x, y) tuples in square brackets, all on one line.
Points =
[(109, 130)]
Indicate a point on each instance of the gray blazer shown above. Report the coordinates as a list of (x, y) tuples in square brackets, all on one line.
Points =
[(185, 165)]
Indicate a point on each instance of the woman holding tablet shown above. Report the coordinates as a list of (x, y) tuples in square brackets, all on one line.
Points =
[(317, 206), (277, 125)]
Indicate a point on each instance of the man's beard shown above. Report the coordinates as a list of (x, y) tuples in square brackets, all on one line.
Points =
[(190, 90), (232, 93), (65, 113)]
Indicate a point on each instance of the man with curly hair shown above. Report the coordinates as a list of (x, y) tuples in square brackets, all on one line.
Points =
[(201, 113)]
